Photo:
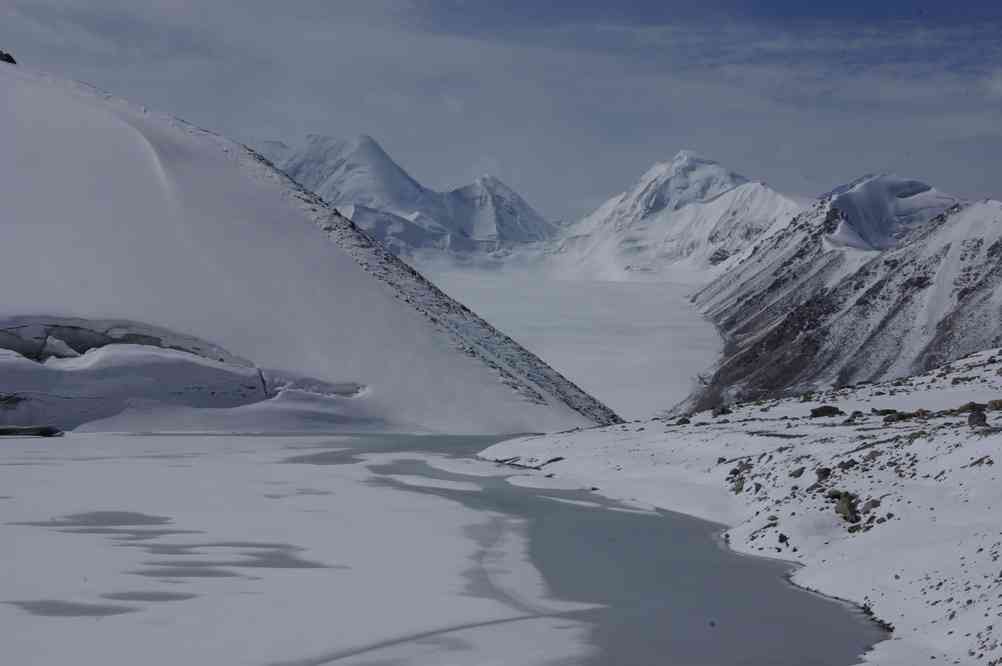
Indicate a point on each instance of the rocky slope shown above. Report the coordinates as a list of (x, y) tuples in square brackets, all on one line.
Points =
[(882, 279), (358, 176), (887, 493)]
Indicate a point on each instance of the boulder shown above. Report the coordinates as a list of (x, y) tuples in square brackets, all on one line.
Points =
[(846, 506), (826, 410), (977, 419)]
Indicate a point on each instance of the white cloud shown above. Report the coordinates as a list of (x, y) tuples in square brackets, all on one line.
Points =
[(567, 116)]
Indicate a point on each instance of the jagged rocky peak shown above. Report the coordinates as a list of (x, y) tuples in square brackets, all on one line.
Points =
[(873, 212), (687, 178), (7, 57)]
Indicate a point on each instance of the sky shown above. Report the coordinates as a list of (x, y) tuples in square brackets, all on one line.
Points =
[(569, 103)]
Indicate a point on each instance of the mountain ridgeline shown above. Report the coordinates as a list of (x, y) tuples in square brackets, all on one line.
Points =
[(365, 183), (883, 278), (879, 278)]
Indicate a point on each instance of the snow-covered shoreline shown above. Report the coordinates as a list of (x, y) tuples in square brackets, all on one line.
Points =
[(891, 510)]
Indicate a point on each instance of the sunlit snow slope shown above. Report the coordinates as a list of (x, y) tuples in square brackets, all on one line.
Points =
[(689, 214), (111, 211)]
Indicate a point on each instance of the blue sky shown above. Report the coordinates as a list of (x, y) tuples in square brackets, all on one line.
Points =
[(567, 102)]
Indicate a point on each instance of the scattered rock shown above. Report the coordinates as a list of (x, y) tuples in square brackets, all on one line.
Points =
[(883, 412), (721, 410), (847, 464), (983, 460), (823, 473), (683, 420), (797, 473)]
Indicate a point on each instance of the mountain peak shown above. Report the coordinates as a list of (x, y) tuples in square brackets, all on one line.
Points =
[(355, 170), (492, 184), (687, 178), (686, 156), (358, 171)]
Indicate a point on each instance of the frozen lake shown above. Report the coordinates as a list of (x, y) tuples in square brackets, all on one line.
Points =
[(369, 550), (636, 346)]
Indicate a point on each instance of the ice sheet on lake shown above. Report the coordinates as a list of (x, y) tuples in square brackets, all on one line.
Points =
[(238, 559)]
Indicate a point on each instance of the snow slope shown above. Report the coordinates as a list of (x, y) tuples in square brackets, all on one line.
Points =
[(892, 504), (836, 298), (158, 221), (485, 215), (636, 346), (690, 211)]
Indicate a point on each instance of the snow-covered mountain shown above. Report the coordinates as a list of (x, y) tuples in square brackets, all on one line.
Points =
[(358, 176), (162, 236), (882, 278), (690, 211)]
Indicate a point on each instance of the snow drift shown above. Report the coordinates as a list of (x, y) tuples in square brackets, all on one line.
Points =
[(114, 212)]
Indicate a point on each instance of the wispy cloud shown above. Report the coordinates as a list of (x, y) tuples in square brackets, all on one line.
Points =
[(994, 83)]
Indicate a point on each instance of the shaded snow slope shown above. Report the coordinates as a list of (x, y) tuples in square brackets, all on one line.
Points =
[(158, 221), (892, 503), (691, 212), (807, 307), (485, 215)]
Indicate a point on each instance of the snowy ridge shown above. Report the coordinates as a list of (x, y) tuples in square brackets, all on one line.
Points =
[(202, 235), (820, 303), (486, 215), (876, 211), (690, 213), (884, 492)]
